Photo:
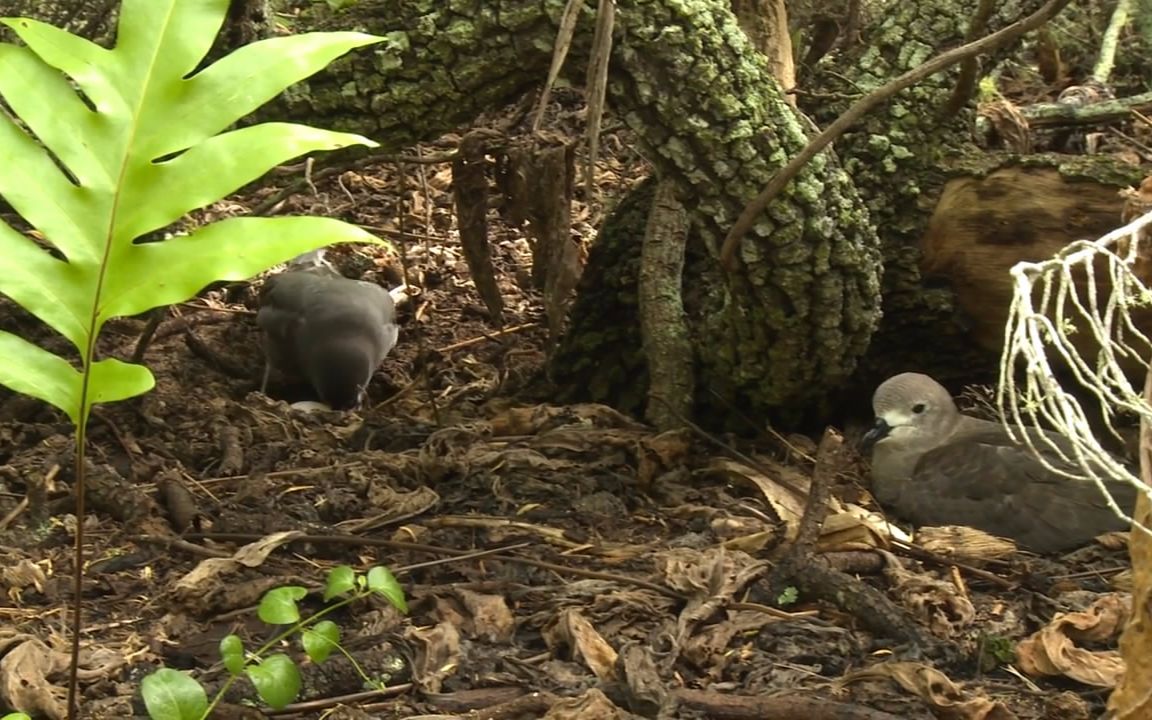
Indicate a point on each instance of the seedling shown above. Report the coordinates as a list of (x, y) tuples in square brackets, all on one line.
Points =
[(174, 695)]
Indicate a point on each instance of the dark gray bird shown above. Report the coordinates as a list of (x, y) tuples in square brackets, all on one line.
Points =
[(933, 465), (329, 329)]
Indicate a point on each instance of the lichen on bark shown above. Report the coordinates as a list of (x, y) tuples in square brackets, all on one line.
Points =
[(797, 316), (899, 157)]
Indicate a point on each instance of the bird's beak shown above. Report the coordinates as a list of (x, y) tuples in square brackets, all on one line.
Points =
[(878, 432)]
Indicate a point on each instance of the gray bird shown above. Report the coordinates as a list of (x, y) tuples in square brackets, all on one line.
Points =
[(933, 465), (327, 328)]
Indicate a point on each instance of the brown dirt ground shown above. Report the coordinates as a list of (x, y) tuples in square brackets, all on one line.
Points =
[(633, 574)]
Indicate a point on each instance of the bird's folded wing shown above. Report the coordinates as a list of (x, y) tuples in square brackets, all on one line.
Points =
[(391, 336), (1005, 490)]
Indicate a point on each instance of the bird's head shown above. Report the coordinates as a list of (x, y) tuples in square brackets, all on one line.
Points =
[(339, 371), (909, 408)]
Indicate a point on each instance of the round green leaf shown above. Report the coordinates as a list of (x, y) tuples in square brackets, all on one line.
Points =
[(341, 580), (321, 640), (382, 582), (173, 695), (232, 653), (278, 606), (277, 680)]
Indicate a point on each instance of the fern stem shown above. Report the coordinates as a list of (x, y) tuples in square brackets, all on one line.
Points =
[(80, 476)]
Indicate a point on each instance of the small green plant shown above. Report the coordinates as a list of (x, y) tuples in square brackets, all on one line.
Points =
[(174, 695), (788, 596), (16, 716), (996, 650)]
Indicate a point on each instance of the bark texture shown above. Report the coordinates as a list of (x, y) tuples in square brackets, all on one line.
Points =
[(714, 123), (248, 20), (92, 19), (667, 345), (982, 226), (765, 22), (602, 357), (900, 158), (1132, 698)]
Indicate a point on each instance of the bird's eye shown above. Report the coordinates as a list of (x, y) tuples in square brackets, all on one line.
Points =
[(918, 408)]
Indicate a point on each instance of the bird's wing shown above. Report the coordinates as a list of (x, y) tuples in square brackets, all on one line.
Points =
[(391, 335), (348, 301), (988, 483), (279, 321), (283, 301), (381, 300)]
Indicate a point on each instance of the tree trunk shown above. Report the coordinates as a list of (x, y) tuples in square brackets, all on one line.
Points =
[(765, 22), (982, 226), (901, 158)]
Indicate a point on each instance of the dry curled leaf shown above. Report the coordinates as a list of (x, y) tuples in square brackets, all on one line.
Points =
[(24, 679), (936, 603), (963, 542), (592, 705), (784, 501), (437, 654), (22, 574), (1008, 124), (1058, 648), (948, 700)]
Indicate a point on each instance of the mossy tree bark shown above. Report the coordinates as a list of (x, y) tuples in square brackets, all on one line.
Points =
[(917, 149), (95, 20), (799, 315)]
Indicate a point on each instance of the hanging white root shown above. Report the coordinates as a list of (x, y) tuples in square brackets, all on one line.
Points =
[(1055, 300)]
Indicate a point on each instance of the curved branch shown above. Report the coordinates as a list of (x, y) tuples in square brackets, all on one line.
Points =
[(862, 106)]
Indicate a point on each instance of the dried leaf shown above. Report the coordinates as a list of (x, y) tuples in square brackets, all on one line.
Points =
[(437, 654), (1057, 648), (948, 700), (592, 705), (24, 683), (787, 505), (964, 542), (573, 630)]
